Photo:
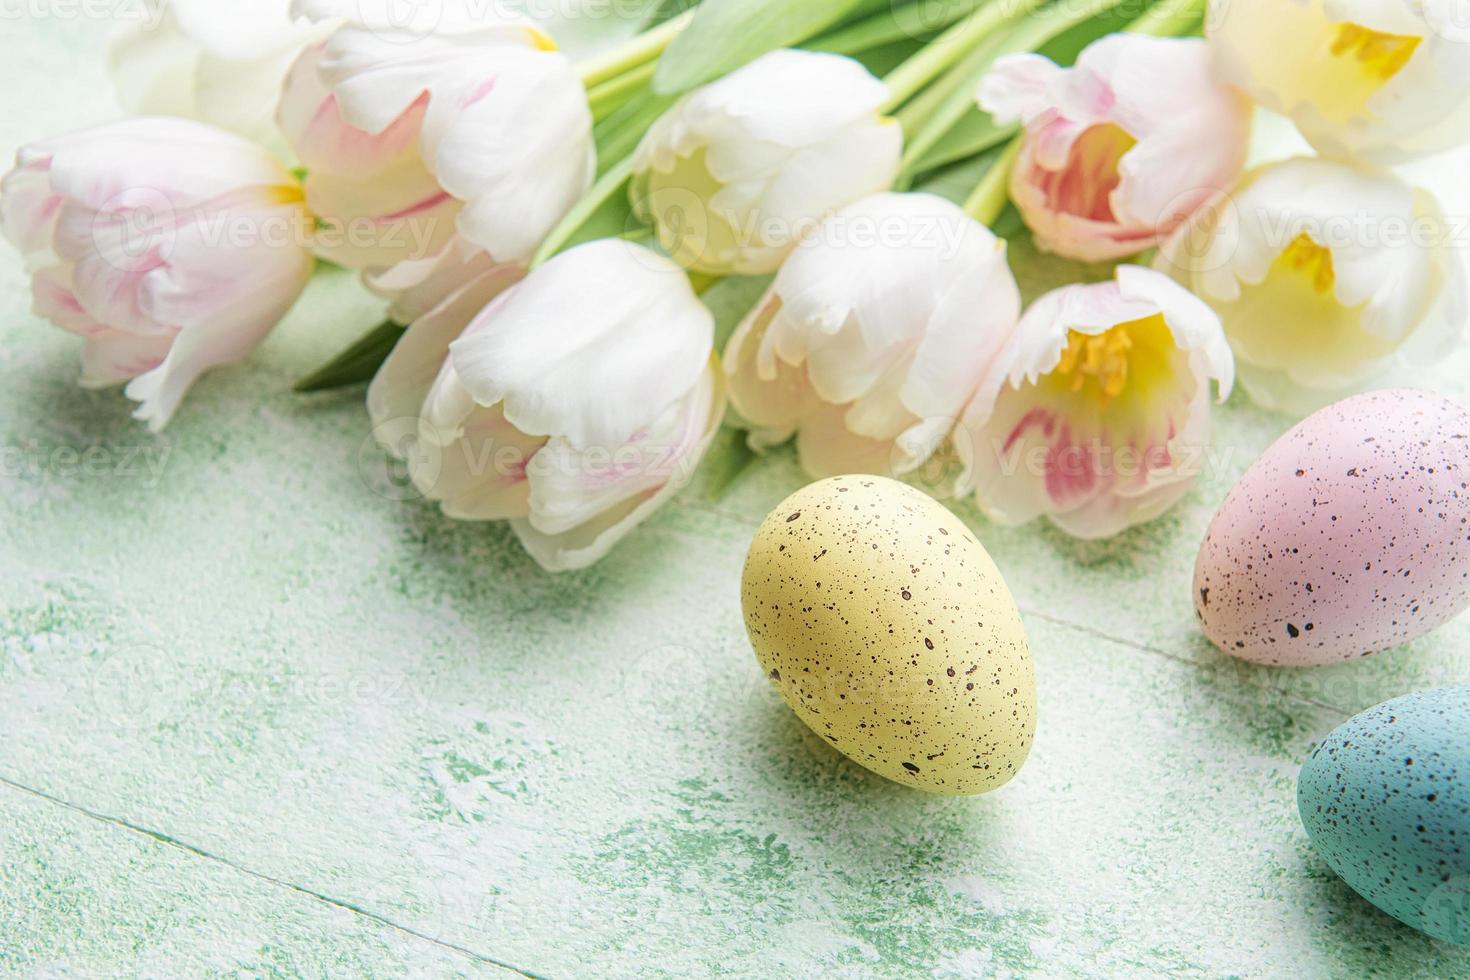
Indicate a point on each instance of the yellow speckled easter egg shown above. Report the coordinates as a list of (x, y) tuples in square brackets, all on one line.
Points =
[(890, 632)]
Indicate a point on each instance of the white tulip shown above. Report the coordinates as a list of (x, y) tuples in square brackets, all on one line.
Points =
[(475, 134), (737, 171), (1098, 413), (417, 287), (874, 335), (1326, 274), (1381, 80), (574, 405), (218, 61), (172, 247)]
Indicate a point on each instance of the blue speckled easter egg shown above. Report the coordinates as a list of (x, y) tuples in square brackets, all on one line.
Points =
[(1386, 801)]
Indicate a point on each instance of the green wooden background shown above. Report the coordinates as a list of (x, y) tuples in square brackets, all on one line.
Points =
[(256, 719)]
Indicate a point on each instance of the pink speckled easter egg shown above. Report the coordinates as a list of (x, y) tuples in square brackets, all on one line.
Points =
[(1349, 536)]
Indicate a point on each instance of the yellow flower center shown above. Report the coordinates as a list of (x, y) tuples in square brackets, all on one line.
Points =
[(1131, 358), (1381, 56), (287, 194), (1101, 359), (1311, 261)]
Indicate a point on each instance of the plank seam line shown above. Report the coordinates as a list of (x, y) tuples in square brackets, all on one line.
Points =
[(262, 876), (1195, 664)]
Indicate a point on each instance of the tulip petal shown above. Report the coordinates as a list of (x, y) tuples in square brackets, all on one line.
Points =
[(772, 401), (737, 171), (418, 286), (568, 349), (114, 358), (520, 154), (406, 377), (587, 543), (221, 315), (1017, 87), (828, 447)]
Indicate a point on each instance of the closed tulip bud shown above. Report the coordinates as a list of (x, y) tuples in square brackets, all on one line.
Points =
[(477, 130), (1378, 80), (172, 247), (874, 335), (1326, 274), (737, 171), (1098, 413), (573, 406), (1119, 150)]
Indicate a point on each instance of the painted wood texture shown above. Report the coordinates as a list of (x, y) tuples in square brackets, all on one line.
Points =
[(259, 718)]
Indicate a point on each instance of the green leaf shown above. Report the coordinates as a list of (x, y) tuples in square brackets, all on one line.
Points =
[(358, 363), (667, 10), (620, 133), (728, 459), (974, 134), (918, 21), (726, 34)]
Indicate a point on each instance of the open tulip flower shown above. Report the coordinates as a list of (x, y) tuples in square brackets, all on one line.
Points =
[(574, 405), (474, 135), (874, 336), (736, 172), (1325, 275), (172, 247), (1378, 80), (1123, 147), (218, 61), (1098, 413)]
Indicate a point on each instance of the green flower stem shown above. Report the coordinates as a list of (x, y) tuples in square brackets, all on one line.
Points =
[(357, 364), (991, 195), (644, 48), (1029, 34), (901, 24), (909, 78), (1170, 18), (952, 94), (620, 133), (608, 97), (614, 180)]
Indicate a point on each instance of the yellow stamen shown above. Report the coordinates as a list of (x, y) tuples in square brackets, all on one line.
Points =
[(1381, 55), (1306, 258), (1099, 358), (287, 194)]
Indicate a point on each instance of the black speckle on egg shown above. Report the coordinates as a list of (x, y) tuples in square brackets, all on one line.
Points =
[(1362, 539)]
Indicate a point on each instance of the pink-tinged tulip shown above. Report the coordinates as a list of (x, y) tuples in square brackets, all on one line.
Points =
[(172, 247), (474, 134), (574, 405), (1098, 415), (1121, 148), (874, 336)]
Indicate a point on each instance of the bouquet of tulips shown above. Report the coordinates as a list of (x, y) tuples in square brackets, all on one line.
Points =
[(543, 227)]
